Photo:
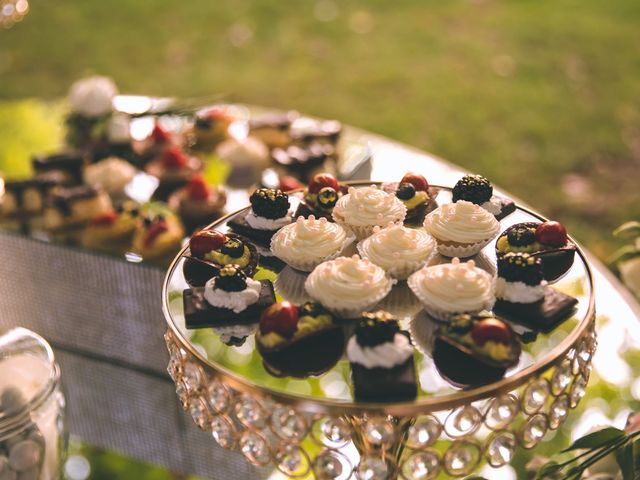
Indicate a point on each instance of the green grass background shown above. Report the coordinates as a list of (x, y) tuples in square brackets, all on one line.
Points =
[(542, 97)]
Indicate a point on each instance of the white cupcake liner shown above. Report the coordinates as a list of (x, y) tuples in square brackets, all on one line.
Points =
[(403, 269), (290, 285), (401, 302), (356, 311), (438, 313), (307, 265), (462, 251), (361, 231)]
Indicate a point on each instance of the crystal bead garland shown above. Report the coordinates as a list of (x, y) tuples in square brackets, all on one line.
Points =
[(453, 442), (12, 12)]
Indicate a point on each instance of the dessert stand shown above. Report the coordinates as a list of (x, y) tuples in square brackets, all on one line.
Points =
[(312, 427)]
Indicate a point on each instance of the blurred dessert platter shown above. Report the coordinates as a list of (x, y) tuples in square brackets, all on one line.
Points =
[(358, 284), (137, 175)]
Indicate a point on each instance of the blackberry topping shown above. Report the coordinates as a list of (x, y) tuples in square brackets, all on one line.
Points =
[(269, 203), (234, 247), (231, 279), (473, 188), (521, 235), (147, 222), (134, 212), (405, 191), (460, 323), (520, 267), (311, 309), (119, 208), (375, 330), (327, 197)]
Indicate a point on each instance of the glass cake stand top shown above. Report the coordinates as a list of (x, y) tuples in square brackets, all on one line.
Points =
[(242, 367)]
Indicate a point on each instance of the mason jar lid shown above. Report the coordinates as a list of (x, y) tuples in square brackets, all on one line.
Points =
[(28, 376)]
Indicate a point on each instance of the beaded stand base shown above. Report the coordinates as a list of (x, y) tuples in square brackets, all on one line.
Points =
[(376, 446)]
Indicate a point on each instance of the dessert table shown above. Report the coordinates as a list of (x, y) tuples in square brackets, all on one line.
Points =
[(109, 343)]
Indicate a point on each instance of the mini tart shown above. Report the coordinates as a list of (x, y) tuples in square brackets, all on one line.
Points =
[(362, 209), (452, 288), (158, 236), (521, 238), (173, 168), (202, 263), (461, 229), (72, 208), (416, 194), (399, 250), (306, 243), (299, 341), (472, 350), (477, 189), (211, 127), (348, 286), (273, 128), (381, 358), (112, 232), (198, 203), (229, 299), (523, 297), (269, 213), (320, 197)]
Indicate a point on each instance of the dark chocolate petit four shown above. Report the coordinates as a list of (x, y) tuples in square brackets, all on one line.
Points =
[(299, 341), (477, 189), (273, 128), (70, 164), (320, 196), (323, 132), (523, 297), (230, 298), (381, 357), (198, 203), (269, 213), (475, 349), (304, 161), (210, 250), (27, 197), (547, 240), (72, 208), (416, 194)]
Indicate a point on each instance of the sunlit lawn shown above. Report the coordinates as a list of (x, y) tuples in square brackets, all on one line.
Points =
[(542, 97)]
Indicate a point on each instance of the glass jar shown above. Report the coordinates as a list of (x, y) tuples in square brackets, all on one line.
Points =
[(33, 438)]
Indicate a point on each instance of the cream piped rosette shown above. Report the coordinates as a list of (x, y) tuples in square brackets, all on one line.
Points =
[(398, 249), (348, 286), (308, 242), (361, 209), (461, 229), (454, 287)]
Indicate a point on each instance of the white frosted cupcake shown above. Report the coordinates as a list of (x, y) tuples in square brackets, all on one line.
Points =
[(453, 288), (348, 286), (308, 242), (364, 208), (398, 249), (461, 229)]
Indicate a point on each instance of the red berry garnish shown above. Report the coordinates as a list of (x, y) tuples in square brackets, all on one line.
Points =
[(197, 188), (173, 157), (288, 184), (105, 219), (281, 318), (216, 113), (206, 241), (156, 228), (552, 234), (321, 180), (418, 181), (159, 134), (490, 329)]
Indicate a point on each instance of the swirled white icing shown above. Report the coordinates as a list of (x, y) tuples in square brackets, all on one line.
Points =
[(519, 292), (262, 223), (462, 222), (385, 355), (454, 287), (369, 206), (347, 283), (394, 244), (310, 239), (236, 301)]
